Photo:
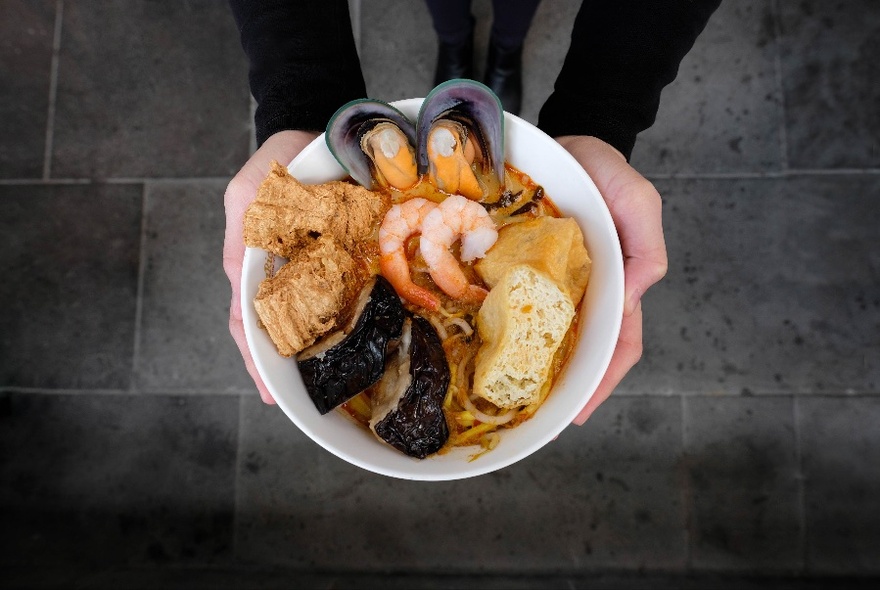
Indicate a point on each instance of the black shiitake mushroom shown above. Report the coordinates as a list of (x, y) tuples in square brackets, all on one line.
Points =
[(407, 404), (347, 361)]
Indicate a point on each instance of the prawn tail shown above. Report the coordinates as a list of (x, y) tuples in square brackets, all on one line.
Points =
[(453, 282), (418, 296), (395, 268), (475, 293)]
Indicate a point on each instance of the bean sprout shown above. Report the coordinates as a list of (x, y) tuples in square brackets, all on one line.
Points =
[(441, 330), (486, 418), (462, 323)]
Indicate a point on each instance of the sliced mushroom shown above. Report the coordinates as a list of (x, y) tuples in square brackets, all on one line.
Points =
[(347, 361), (407, 404)]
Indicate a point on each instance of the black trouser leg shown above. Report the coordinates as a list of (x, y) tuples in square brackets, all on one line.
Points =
[(454, 25), (511, 20)]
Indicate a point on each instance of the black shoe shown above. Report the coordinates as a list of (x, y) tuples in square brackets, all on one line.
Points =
[(455, 61), (504, 76)]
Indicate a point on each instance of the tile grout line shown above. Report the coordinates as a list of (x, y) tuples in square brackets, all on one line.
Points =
[(354, 10), (235, 392), (236, 499), (168, 179), (252, 125), (685, 486), (777, 70), (790, 173), (120, 391), (44, 181), (60, 391), (139, 297), (802, 491), (53, 91), (118, 180), (787, 173)]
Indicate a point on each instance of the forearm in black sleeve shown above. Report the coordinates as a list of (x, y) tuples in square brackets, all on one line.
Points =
[(303, 61), (622, 54)]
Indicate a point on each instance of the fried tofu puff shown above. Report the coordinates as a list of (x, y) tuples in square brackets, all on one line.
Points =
[(288, 214), (305, 298)]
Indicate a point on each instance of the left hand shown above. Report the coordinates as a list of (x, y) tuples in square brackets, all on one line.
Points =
[(242, 190)]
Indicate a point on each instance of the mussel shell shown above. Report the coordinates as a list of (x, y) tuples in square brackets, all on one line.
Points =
[(348, 125), (469, 102), (415, 424), (356, 360)]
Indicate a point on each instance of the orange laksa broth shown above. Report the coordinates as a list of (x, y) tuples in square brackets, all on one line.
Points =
[(471, 419)]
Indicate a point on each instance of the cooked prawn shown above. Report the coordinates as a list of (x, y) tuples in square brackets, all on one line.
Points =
[(402, 221), (456, 217)]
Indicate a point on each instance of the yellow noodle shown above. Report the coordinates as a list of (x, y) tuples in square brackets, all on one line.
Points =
[(361, 406), (471, 433), (510, 220), (450, 394), (491, 440)]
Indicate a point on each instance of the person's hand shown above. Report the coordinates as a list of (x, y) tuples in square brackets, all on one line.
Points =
[(282, 147), (635, 207)]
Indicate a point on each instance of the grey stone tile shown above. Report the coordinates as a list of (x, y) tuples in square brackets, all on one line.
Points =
[(26, 36), (398, 48), (604, 495), (773, 287), (116, 479), (184, 337), (728, 80), (402, 66), (743, 489), (723, 111), (150, 89), (544, 51), (829, 74), (70, 259), (841, 452), (236, 578)]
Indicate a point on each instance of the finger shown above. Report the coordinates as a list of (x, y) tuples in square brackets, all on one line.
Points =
[(238, 196), (236, 328), (636, 208), (233, 251), (626, 354), (240, 192), (639, 274), (233, 254)]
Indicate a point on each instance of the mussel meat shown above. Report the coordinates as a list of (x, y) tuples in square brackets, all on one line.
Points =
[(407, 404), (460, 122), (347, 361), (374, 142)]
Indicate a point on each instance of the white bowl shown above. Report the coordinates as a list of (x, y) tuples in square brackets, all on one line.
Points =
[(571, 189)]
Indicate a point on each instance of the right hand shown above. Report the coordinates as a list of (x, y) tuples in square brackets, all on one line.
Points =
[(241, 191), (636, 208)]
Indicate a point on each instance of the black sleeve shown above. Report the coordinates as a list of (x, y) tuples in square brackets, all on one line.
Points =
[(303, 61), (622, 54)]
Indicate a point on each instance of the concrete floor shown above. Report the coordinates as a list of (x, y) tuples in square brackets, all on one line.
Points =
[(743, 451)]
